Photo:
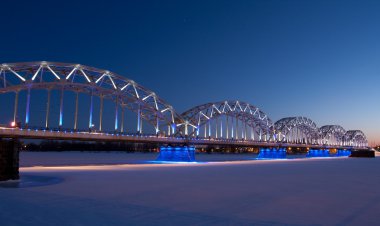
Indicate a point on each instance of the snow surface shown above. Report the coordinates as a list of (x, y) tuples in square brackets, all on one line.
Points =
[(332, 191), (101, 158)]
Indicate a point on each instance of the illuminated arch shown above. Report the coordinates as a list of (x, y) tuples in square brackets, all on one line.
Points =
[(332, 134), (249, 116), (296, 130), (126, 93), (355, 138)]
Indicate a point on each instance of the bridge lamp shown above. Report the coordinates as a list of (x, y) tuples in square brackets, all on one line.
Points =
[(13, 124)]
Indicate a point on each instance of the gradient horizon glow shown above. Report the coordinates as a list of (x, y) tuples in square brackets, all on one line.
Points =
[(318, 59)]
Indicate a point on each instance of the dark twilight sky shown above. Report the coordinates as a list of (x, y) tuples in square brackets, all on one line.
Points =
[(319, 59)]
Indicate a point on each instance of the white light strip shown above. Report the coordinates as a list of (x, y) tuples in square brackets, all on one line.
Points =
[(19, 76), (97, 80), (255, 111), (125, 86), (224, 107), (162, 111), (212, 112), (147, 97), (88, 79), (53, 72), (35, 74), (213, 106), (137, 94), (229, 107), (237, 103), (113, 83), (204, 115), (71, 72), (192, 125)]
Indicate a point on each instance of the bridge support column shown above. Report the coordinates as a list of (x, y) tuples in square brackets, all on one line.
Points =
[(226, 126), (216, 128), (76, 111), (27, 111), (221, 128), (61, 109), (139, 119), (15, 108), (205, 130), (101, 113), (9, 160), (158, 125), (47, 109), (232, 128), (116, 113), (209, 128), (173, 128), (122, 119), (91, 110), (236, 129)]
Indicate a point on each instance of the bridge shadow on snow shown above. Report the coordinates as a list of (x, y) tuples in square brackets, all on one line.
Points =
[(27, 181)]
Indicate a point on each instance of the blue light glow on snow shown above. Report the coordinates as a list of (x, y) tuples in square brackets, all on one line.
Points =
[(344, 152), (318, 153), (272, 153), (176, 154)]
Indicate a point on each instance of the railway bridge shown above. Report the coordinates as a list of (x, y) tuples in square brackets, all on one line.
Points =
[(65, 101)]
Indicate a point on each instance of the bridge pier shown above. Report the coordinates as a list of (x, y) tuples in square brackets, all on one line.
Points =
[(9, 159), (177, 154), (363, 153), (318, 153), (343, 152), (272, 153)]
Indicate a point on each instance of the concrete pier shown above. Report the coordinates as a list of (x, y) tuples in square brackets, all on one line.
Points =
[(363, 154), (9, 159)]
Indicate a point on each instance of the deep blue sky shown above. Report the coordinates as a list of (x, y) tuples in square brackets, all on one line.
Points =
[(319, 59)]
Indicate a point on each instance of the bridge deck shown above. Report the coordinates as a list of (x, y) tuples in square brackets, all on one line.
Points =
[(117, 137)]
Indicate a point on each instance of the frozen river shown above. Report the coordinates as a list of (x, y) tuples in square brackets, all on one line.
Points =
[(100, 189)]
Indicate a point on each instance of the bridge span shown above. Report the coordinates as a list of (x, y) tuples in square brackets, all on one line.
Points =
[(66, 101), (83, 98)]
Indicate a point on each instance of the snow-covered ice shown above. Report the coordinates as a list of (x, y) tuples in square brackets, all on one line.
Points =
[(99, 189)]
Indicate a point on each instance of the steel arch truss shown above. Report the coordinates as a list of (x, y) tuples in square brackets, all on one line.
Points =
[(248, 114), (355, 138), (332, 134), (296, 130), (93, 81)]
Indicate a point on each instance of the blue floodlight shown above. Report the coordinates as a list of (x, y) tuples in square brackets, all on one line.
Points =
[(176, 154)]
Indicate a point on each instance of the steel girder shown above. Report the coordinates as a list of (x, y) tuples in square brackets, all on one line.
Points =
[(249, 114), (329, 132), (283, 129), (15, 77)]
